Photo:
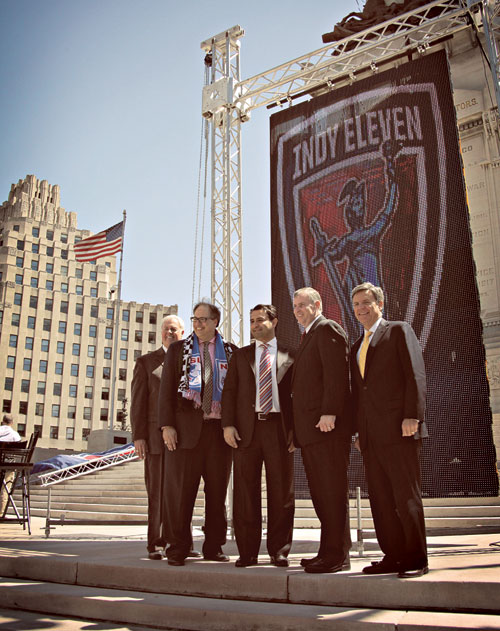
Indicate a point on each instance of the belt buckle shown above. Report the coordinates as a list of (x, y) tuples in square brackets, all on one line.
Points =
[(261, 416)]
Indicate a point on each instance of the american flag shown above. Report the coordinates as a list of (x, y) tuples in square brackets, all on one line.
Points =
[(103, 243)]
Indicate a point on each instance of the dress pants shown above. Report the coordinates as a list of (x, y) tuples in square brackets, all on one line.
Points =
[(210, 459), (325, 464), (153, 476), (267, 447), (393, 477)]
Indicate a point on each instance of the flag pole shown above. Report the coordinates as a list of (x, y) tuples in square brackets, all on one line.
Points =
[(116, 330)]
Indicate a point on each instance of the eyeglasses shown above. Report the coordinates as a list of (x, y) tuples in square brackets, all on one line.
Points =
[(200, 320)]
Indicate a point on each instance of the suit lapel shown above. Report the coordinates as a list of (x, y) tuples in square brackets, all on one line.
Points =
[(305, 342), (160, 356), (283, 362), (249, 352)]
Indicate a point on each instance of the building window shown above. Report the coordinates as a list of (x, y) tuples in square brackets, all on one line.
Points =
[(92, 330), (70, 433), (139, 316), (151, 337), (33, 302), (138, 336), (75, 370), (124, 354), (79, 290), (64, 306), (13, 340), (62, 326), (77, 328), (87, 414), (43, 365), (34, 281), (78, 271), (93, 311), (64, 238), (7, 407), (54, 430), (19, 279), (16, 317), (18, 299), (93, 292), (41, 387), (27, 364), (110, 313), (122, 374), (50, 250), (49, 268), (15, 228), (35, 232), (47, 323), (35, 248), (23, 407), (57, 389), (25, 385), (49, 304), (126, 315), (90, 372), (104, 414), (76, 350), (31, 322), (107, 352), (90, 350), (20, 244), (152, 318), (50, 235), (108, 333), (56, 410), (79, 308), (85, 434), (105, 394), (19, 261), (38, 429), (38, 409), (59, 368), (64, 288), (49, 285), (124, 335), (121, 394), (60, 348), (93, 275), (106, 372), (73, 390), (45, 346), (71, 411), (64, 270), (11, 362), (34, 265), (9, 383), (89, 392)]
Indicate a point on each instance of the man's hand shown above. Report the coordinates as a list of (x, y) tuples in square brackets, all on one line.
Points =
[(409, 426), (356, 444), (326, 422), (231, 436), (289, 442), (169, 435), (141, 448)]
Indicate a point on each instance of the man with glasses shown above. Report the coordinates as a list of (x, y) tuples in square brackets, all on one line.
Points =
[(189, 416)]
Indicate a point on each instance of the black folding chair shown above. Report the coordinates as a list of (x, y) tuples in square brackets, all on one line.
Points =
[(17, 457)]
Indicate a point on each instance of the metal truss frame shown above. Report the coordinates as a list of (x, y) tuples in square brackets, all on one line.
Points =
[(227, 102)]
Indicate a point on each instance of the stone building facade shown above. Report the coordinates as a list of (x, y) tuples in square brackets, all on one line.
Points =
[(57, 327)]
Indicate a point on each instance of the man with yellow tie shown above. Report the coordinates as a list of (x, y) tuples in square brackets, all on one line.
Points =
[(388, 388)]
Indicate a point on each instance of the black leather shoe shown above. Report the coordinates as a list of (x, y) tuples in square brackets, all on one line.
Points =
[(346, 565), (414, 573), (216, 556), (305, 562), (177, 561), (246, 561), (320, 566), (279, 560), (156, 555), (382, 567), (194, 554)]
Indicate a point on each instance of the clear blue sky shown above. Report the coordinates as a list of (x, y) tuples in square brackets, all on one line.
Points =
[(103, 97)]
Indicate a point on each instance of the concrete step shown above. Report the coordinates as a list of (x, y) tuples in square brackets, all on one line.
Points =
[(165, 611)]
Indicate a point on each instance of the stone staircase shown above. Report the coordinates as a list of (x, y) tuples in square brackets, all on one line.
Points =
[(118, 495)]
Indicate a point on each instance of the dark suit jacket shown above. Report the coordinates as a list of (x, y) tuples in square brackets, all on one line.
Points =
[(238, 396), (144, 407), (174, 409), (394, 385), (320, 382)]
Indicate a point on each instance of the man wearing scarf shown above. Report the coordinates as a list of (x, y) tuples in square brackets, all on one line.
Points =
[(189, 416)]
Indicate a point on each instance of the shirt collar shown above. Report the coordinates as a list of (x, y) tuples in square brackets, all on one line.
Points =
[(308, 327), (374, 326), (271, 344)]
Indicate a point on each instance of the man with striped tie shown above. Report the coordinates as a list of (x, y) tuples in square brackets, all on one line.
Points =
[(256, 417)]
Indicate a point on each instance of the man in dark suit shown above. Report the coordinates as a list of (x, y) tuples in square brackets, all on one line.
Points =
[(189, 413), (320, 389), (388, 386), (145, 433), (257, 422)]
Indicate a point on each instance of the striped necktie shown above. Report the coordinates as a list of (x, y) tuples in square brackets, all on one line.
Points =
[(362, 353), (206, 404), (265, 381)]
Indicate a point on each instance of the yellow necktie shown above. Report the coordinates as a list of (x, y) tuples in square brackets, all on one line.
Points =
[(362, 353)]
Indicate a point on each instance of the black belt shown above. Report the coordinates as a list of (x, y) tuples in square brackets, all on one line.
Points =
[(260, 416)]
